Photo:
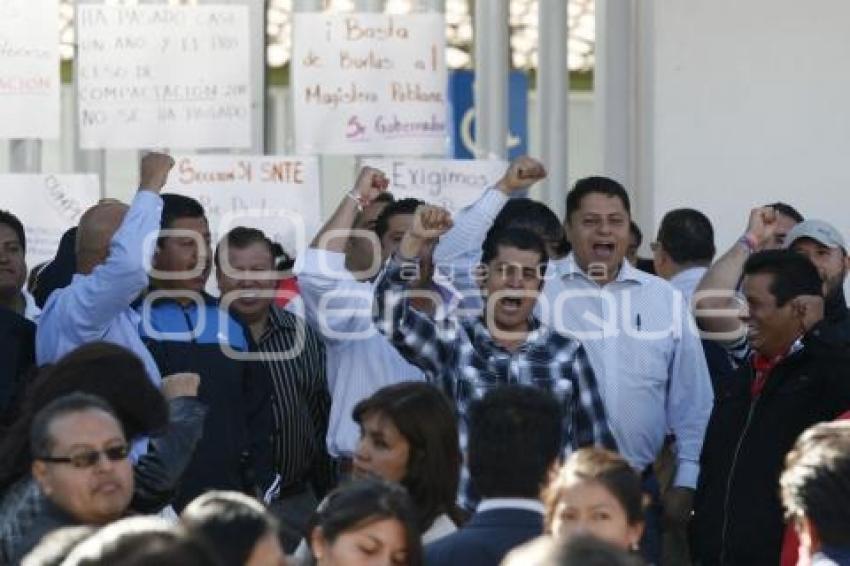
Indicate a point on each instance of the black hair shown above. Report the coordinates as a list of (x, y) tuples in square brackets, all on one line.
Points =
[(600, 185), (142, 541), (588, 550), (535, 216), (230, 522), (424, 417), (687, 236), (816, 481), (787, 210), (17, 227), (634, 231), (518, 238), (56, 545), (515, 435), (363, 502), (41, 441), (394, 208), (106, 370), (176, 206), (240, 238), (793, 274), (604, 467), (285, 262)]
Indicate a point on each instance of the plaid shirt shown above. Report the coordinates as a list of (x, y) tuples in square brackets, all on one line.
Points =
[(460, 355)]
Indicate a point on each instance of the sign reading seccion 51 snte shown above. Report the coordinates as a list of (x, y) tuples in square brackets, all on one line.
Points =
[(369, 83), (163, 76)]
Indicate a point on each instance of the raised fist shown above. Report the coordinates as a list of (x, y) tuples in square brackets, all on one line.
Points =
[(762, 226), (430, 222), (370, 183), (154, 171), (523, 172)]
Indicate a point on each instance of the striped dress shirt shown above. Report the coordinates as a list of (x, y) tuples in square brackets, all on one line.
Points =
[(295, 357)]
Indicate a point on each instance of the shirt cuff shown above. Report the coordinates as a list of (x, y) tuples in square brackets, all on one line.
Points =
[(147, 197), (687, 474)]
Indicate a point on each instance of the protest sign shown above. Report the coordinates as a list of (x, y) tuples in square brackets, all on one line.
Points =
[(29, 69), (163, 76), (369, 83), (47, 205)]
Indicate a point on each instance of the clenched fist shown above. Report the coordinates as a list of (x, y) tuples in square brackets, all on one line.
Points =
[(523, 172), (429, 223), (180, 385), (370, 183), (154, 171)]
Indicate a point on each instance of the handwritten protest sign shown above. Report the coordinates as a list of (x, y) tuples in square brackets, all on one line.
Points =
[(163, 76), (277, 194), (29, 69), (47, 205), (450, 183), (369, 83)]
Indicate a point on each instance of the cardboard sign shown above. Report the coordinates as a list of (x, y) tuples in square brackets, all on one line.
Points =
[(452, 184), (47, 205), (29, 69), (369, 83), (163, 76), (276, 194)]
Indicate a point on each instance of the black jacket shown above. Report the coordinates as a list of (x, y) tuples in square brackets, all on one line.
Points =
[(17, 356), (738, 516)]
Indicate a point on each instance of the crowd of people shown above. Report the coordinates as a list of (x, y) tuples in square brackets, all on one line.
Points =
[(494, 387)]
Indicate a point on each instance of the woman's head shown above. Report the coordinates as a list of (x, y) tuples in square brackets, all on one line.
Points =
[(369, 521), (409, 435), (237, 527), (596, 492), (106, 370)]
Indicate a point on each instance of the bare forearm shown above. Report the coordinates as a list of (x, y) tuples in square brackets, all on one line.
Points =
[(717, 290), (334, 235)]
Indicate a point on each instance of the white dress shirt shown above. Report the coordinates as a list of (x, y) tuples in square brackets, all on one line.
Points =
[(687, 280), (360, 360)]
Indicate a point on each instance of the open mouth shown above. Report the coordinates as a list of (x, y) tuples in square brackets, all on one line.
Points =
[(604, 250), (510, 304)]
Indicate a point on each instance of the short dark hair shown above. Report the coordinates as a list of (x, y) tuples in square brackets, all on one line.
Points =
[(518, 238), (424, 417), (240, 238), (607, 468), (41, 441), (17, 227), (687, 236), (140, 541), (535, 216), (600, 185), (793, 274), (588, 550), (515, 435), (816, 481), (176, 206), (394, 208), (787, 210), (634, 230), (230, 522), (363, 502)]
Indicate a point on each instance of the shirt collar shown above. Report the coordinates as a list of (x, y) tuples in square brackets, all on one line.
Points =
[(510, 503), (568, 267)]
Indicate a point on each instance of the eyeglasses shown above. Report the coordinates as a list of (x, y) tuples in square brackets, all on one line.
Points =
[(89, 458)]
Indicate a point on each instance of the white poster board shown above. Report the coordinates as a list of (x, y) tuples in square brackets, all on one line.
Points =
[(276, 194), (47, 205), (369, 83), (29, 69), (450, 183), (156, 76)]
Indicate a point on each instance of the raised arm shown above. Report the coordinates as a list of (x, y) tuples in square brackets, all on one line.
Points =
[(424, 342), (715, 305)]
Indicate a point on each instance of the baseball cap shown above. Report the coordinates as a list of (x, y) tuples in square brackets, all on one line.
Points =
[(819, 231)]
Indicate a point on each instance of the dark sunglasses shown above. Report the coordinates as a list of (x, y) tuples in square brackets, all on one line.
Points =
[(89, 458)]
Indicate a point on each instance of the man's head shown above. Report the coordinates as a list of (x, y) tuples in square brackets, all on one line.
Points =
[(241, 252), (815, 486), (97, 226), (183, 248), (685, 240), (786, 218), (635, 241), (775, 281), (513, 264), (393, 222), (80, 458), (514, 441), (360, 254), (538, 218), (824, 245), (597, 224), (13, 248)]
